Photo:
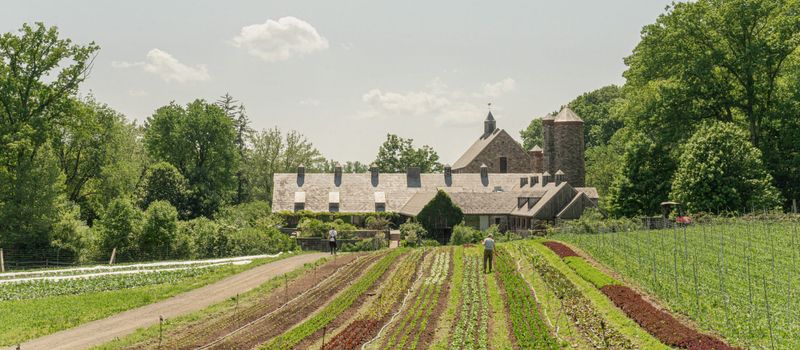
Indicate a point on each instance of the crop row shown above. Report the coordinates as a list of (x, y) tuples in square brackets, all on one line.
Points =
[(526, 319), (577, 307), (47, 288), (364, 328), (342, 302), (241, 325), (296, 310), (406, 334), (740, 279), (470, 332), (657, 322)]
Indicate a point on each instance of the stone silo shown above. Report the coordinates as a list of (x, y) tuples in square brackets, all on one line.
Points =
[(569, 147), (548, 138)]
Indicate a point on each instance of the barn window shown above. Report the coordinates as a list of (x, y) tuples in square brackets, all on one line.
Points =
[(503, 165)]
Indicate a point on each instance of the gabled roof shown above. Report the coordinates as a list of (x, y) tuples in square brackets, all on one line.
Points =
[(536, 149), (480, 144), (567, 115), (476, 149), (548, 116)]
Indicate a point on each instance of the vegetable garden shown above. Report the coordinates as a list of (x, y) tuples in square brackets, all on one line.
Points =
[(542, 295)]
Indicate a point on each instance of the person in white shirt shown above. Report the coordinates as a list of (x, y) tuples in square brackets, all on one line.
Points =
[(332, 240), (488, 253)]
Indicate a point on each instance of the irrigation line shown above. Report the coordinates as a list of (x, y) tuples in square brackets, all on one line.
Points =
[(267, 315)]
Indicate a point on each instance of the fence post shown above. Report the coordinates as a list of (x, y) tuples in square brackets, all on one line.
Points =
[(113, 256), (2, 261)]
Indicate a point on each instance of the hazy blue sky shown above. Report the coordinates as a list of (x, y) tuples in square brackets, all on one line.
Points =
[(345, 73)]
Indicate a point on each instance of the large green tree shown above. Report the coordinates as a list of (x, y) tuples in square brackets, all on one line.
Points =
[(98, 153), (397, 154), (274, 152), (200, 141), (596, 109), (241, 123), (39, 73), (532, 134), (719, 169), (726, 60)]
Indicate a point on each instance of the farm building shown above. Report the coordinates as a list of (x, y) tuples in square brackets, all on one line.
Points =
[(506, 192)]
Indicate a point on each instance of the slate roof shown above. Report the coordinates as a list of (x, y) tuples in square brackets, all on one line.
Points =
[(476, 149), (567, 115), (495, 194)]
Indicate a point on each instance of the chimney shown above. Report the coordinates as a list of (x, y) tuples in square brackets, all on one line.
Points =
[(523, 181), (546, 178)]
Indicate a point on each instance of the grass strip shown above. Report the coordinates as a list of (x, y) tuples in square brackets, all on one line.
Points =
[(32, 318)]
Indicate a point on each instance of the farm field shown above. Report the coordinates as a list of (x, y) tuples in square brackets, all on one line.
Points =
[(431, 298), (735, 278), (40, 302)]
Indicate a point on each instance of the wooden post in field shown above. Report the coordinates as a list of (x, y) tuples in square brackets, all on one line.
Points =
[(794, 205), (2, 261), (113, 256)]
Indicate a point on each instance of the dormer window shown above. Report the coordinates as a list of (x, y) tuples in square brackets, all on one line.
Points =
[(380, 201), (333, 202), (299, 201)]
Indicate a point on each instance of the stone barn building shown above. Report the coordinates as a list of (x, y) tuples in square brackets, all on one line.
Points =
[(495, 182)]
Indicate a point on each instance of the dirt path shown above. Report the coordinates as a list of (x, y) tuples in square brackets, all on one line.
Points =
[(102, 331)]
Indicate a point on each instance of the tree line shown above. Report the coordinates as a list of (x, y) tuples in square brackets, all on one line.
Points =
[(192, 180), (708, 115)]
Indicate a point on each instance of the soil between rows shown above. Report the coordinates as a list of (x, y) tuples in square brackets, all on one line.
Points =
[(198, 335), (298, 311), (350, 312)]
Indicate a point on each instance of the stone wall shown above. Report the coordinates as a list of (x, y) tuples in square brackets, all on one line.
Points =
[(503, 145), (569, 152)]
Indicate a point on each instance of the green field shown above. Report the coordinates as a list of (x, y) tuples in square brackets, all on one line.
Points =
[(735, 277), (33, 315)]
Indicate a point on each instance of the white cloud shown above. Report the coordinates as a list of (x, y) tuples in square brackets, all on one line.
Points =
[(499, 88), (437, 100), (167, 67), (280, 40)]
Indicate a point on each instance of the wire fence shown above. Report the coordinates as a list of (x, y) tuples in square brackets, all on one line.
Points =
[(736, 275)]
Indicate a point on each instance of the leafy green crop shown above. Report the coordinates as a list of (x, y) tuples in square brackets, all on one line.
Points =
[(589, 273)]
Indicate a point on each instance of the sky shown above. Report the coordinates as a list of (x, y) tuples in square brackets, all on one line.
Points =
[(346, 73)]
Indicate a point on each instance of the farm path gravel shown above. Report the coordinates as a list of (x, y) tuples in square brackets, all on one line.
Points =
[(101, 331)]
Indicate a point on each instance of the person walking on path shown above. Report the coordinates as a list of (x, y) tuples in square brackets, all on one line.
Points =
[(332, 240), (488, 253)]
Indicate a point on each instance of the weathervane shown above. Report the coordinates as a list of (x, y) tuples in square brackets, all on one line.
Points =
[(490, 106)]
